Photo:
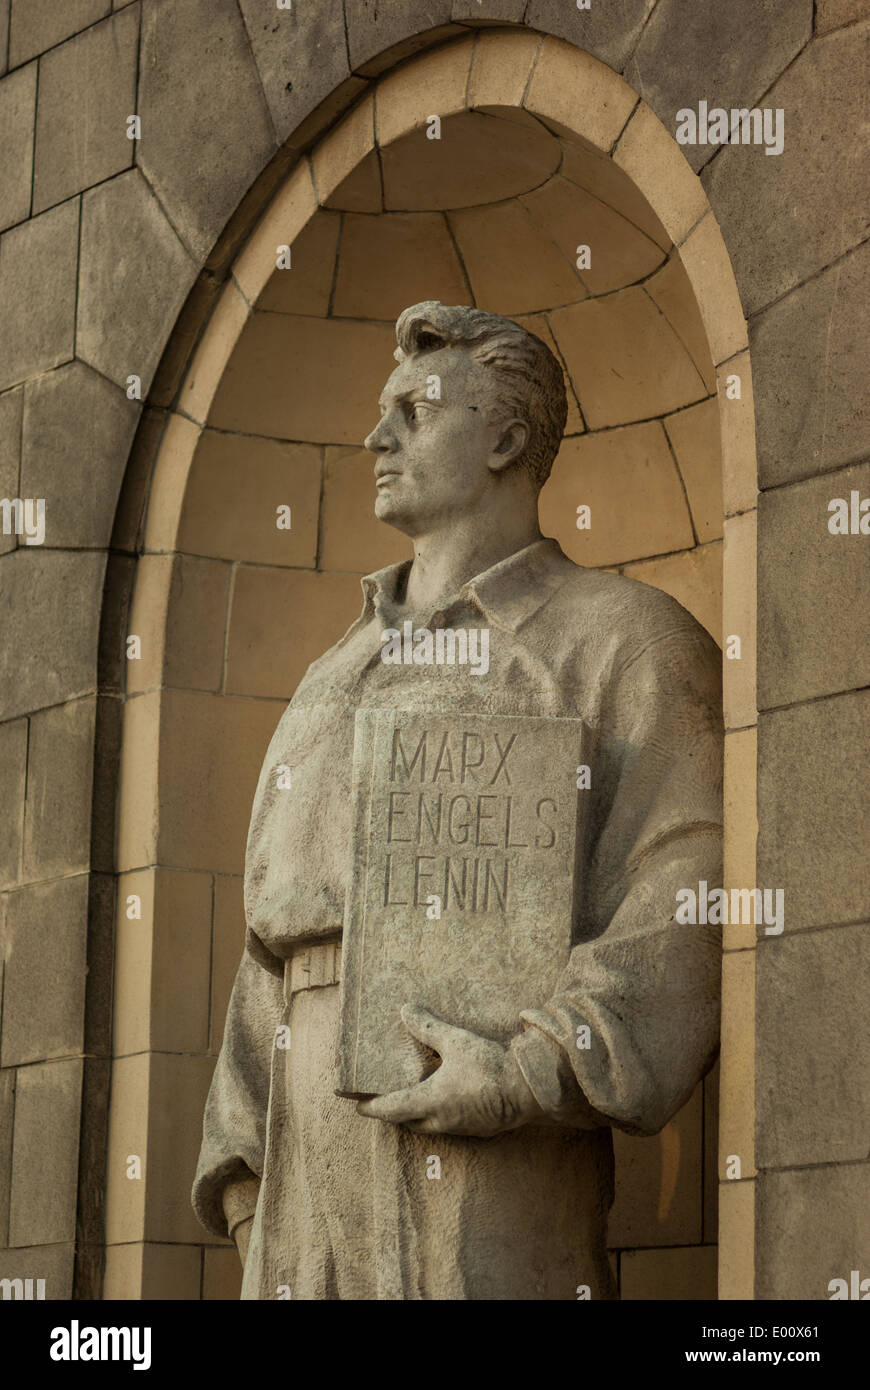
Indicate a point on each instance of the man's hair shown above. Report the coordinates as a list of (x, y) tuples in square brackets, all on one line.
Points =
[(530, 380)]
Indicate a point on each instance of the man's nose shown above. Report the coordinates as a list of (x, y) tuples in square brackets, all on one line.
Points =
[(381, 440)]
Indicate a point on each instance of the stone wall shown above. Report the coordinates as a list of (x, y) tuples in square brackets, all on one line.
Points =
[(112, 256)]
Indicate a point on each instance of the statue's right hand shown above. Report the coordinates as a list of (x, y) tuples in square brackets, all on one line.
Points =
[(242, 1236)]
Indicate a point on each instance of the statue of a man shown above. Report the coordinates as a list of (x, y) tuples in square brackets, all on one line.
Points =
[(333, 1198)]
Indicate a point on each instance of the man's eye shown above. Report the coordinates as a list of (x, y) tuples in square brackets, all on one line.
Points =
[(418, 411)]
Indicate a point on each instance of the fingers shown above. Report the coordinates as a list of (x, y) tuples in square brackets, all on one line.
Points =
[(398, 1106), (432, 1031)]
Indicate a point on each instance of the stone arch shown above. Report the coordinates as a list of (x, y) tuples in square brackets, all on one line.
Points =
[(198, 691)]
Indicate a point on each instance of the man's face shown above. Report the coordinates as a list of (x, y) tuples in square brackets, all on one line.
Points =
[(433, 453)]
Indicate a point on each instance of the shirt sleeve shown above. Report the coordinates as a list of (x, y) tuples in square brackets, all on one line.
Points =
[(234, 1126), (634, 1022)]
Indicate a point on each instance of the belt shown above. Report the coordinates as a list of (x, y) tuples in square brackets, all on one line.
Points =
[(313, 967)]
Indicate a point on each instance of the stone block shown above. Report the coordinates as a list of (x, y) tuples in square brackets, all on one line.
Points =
[(221, 1275), (38, 288), (783, 231), (280, 621), (306, 287), (60, 770), (4, 33), (213, 351), (11, 405), (50, 645), (600, 175), (813, 1053), (812, 797), (135, 275), (739, 619), (76, 438), (834, 14), (178, 1090), (178, 612), (810, 362), (494, 241), (13, 780), (815, 635), (624, 358), (727, 55), (137, 813), (434, 84), (737, 435), (501, 67), (285, 219), (200, 152), (672, 292), (46, 965), (300, 53), (53, 1263), (737, 1240), (711, 1149), (575, 95), (228, 940), (608, 32), (737, 1083), (345, 165), (693, 578), (648, 154), (812, 1226), (740, 794), (234, 490), (87, 89), (658, 1184), (352, 537), (173, 1272), (684, 1274), (45, 1154), (7, 1110), (37, 25), (708, 267), (305, 378), (374, 29), (128, 1139), (620, 253), (211, 751), (494, 12), (694, 437), (17, 110), (392, 261), (629, 481)]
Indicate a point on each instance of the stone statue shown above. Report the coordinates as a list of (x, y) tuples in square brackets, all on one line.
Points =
[(491, 1176)]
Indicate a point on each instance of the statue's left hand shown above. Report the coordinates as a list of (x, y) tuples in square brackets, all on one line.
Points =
[(478, 1089)]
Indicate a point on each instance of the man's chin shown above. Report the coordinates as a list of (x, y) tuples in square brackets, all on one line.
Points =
[(392, 513)]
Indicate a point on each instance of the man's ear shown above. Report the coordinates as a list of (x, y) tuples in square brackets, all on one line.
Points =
[(513, 438)]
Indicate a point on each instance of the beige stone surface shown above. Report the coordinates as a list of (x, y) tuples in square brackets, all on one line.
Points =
[(36, 25), (654, 162), (11, 407), (708, 267), (812, 1225), (306, 379), (128, 1136), (694, 436), (620, 253), (583, 96), (13, 780), (137, 804), (179, 614), (38, 278), (737, 435), (87, 89), (501, 68), (737, 1240), (143, 1270), (174, 457), (739, 617), (280, 620), (214, 351), (336, 162), (625, 359), (496, 242), (711, 1149), (683, 1274), (228, 939), (479, 158), (629, 481), (389, 261), (306, 287), (221, 1275), (7, 1109), (600, 175), (741, 825), (178, 1088), (44, 976), (45, 1153), (235, 487), (832, 14), (693, 578), (658, 1184), (737, 1064), (59, 791), (431, 85), (287, 215), (672, 292), (352, 536), (17, 107)]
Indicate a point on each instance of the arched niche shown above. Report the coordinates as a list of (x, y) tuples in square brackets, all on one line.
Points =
[(541, 150)]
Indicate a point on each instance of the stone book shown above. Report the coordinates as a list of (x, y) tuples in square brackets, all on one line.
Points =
[(467, 841)]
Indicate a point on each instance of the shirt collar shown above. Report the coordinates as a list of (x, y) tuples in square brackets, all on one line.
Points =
[(508, 593)]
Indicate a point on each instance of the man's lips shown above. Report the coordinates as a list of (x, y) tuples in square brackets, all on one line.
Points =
[(387, 473)]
